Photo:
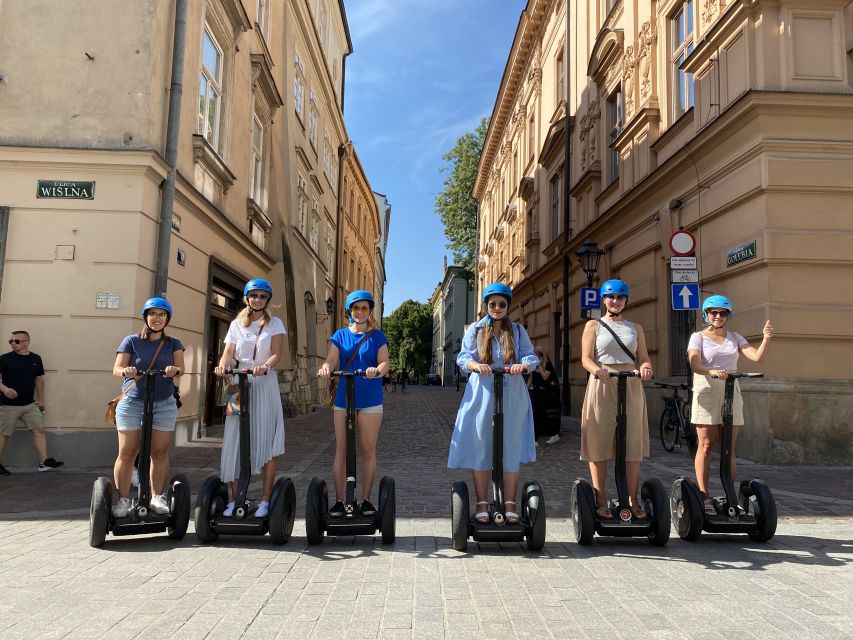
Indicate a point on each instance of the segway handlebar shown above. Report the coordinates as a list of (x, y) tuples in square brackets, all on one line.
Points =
[(494, 370), (739, 374), (350, 374), (625, 374), (149, 372), (244, 371)]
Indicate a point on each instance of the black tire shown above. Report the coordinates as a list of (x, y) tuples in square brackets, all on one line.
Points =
[(316, 506), (178, 498), (764, 509), (656, 503), (282, 511), (459, 515), (388, 510), (533, 501), (209, 504), (686, 510), (669, 428), (583, 511), (100, 511)]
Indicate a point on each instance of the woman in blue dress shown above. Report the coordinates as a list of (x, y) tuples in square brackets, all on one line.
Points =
[(494, 341)]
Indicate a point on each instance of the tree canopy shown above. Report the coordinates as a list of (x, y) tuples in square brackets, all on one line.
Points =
[(455, 205), (409, 333)]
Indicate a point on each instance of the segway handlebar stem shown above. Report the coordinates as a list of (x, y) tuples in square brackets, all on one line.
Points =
[(350, 374), (625, 374), (246, 371)]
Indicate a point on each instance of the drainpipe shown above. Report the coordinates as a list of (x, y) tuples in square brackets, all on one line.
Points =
[(342, 154), (164, 236), (567, 348), (4, 231)]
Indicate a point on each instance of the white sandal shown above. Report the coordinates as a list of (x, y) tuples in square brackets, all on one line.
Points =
[(482, 516), (511, 516)]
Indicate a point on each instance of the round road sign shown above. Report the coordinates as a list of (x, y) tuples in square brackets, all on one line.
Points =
[(682, 242)]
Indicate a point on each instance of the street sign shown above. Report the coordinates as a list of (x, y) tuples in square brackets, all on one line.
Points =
[(682, 242), (590, 298), (685, 297), (741, 253), (682, 262), (685, 276)]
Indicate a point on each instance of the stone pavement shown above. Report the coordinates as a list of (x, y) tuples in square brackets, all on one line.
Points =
[(56, 586)]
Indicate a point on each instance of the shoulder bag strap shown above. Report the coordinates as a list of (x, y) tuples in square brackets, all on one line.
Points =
[(150, 364), (357, 347), (618, 340), (258, 339)]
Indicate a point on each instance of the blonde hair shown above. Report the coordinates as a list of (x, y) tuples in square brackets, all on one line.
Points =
[(245, 316), (484, 342)]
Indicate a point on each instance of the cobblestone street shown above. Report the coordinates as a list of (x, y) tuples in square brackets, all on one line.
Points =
[(56, 586)]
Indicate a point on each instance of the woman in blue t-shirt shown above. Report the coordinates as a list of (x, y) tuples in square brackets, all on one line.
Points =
[(371, 357), (135, 354)]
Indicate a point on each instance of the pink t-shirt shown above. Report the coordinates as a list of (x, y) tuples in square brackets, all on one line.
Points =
[(718, 356)]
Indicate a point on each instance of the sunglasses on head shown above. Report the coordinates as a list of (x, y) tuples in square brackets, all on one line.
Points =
[(497, 305), (258, 296), (722, 313), (16, 341)]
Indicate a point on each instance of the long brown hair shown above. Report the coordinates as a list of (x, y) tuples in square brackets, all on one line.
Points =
[(484, 342)]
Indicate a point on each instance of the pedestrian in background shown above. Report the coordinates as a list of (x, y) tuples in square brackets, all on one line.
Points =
[(494, 341), (404, 380), (545, 396), (393, 381), (22, 398), (255, 340), (149, 349)]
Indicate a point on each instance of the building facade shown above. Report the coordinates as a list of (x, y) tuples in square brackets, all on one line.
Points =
[(384, 211), (730, 119), (454, 305), (83, 173)]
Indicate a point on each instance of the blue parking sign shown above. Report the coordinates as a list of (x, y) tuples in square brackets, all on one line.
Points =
[(685, 296), (590, 298)]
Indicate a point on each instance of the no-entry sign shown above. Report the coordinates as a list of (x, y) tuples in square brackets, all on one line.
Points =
[(682, 242)]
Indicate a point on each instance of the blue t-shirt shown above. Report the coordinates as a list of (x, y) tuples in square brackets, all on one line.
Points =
[(368, 391), (141, 351)]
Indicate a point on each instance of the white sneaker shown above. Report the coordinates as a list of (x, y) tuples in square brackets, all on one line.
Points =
[(553, 439), (121, 507), (159, 505), (229, 510), (134, 479), (263, 509)]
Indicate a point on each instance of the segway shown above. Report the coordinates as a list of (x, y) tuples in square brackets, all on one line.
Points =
[(140, 518), (752, 510), (585, 518), (531, 523), (353, 522), (210, 520)]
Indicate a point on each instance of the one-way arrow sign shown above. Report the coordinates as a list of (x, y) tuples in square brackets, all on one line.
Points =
[(685, 297)]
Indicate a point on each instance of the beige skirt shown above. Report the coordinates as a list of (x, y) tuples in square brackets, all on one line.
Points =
[(598, 419), (708, 396)]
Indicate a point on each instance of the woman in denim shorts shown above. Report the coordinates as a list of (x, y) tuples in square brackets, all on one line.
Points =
[(135, 354), (372, 358)]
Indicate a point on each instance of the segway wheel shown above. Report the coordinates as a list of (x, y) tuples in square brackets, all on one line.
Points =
[(764, 508), (459, 515), (99, 511), (209, 504), (583, 511), (179, 501), (388, 510), (316, 506), (533, 501), (282, 510), (656, 504), (686, 509)]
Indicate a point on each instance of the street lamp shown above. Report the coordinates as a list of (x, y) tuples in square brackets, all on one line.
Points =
[(330, 307), (589, 256)]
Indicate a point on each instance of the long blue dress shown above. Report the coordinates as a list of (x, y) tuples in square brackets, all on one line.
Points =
[(471, 444)]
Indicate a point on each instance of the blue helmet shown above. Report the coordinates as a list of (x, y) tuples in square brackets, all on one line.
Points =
[(156, 303), (615, 287), (257, 284), (716, 302), (499, 289), (357, 296)]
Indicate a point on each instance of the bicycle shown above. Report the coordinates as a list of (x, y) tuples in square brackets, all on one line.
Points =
[(675, 422)]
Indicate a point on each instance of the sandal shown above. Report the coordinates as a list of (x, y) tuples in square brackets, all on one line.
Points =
[(482, 516), (603, 512), (639, 513), (511, 516)]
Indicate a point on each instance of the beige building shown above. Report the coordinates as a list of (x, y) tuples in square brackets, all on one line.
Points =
[(729, 118), (83, 178)]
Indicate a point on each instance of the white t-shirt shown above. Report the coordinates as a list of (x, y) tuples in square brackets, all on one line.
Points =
[(717, 356), (245, 338)]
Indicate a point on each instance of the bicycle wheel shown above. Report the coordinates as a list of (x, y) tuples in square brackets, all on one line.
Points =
[(668, 428)]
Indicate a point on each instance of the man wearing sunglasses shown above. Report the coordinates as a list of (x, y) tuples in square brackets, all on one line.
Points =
[(21, 379)]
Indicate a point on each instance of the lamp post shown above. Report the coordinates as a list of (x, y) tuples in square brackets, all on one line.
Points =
[(330, 307), (589, 256)]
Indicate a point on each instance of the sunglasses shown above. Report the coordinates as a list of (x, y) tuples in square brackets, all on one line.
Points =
[(497, 305), (15, 341), (722, 314), (615, 296), (258, 296)]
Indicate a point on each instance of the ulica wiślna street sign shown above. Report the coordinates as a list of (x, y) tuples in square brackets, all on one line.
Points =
[(66, 189)]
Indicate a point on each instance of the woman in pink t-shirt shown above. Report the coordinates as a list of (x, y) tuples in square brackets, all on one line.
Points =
[(712, 352)]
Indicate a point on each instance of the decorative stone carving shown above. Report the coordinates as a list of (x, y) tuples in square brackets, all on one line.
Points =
[(628, 65), (710, 11), (614, 72), (645, 57), (589, 135)]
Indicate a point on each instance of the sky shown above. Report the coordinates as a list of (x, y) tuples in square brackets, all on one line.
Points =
[(422, 73)]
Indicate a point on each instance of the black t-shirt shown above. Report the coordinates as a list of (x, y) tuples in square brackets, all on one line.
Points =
[(20, 373)]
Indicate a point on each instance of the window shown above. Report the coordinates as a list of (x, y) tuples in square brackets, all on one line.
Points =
[(561, 77), (263, 18), (514, 182), (302, 206), (329, 248), (327, 156), (323, 26), (257, 170), (531, 137), (258, 234), (615, 113), (315, 223), (298, 85), (210, 90), (555, 206), (682, 46), (313, 116)]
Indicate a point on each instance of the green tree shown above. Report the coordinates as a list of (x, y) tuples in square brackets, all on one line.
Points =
[(409, 333), (455, 205)]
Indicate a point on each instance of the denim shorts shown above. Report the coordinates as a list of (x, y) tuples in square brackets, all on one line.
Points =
[(377, 408), (129, 414)]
